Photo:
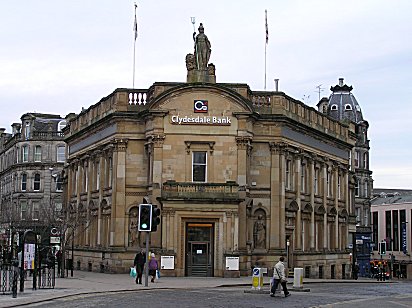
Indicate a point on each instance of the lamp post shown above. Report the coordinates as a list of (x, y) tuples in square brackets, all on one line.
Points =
[(287, 253)]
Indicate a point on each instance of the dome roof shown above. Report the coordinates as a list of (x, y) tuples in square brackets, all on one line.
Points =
[(343, 105)]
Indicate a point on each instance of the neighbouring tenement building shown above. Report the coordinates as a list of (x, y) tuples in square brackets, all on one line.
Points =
[(31, 159), (343, 106), (239, 175), (391, 223)]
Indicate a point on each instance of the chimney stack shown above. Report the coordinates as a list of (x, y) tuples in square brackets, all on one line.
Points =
[(277, 85), (341, 82)]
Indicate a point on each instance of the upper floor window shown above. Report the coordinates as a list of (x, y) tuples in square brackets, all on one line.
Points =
[(334, 107), (339, 187), (36, 182), (24, 182), (303, 178), (365, 160), (357, 159), (37, 153), (27, 131), (357, 188), (328, 183), (23, 210), (61, 155), (59, 183), (348, 107), (288, 174), (36, 210), (97, 165), (316, 182), (366, 189), (110, 171), (199, 167), (25, 153)]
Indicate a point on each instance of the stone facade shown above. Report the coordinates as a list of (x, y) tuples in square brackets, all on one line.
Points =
[(236, 173), (31, 160)]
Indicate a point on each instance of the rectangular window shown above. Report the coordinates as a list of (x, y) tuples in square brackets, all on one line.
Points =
[(328, 183), (356, 159), (110, 171), (36, 210), (357, 188), (24, 182), (86, 179), (37, 153), (375, 230), (366, 189), (365, 160), (199, 167), (23, 210), (25, 154), (316, 182), (303, 178), (366, 217), (61, 155), (388, 230), (59, 183), (36, 182), (358, 214), (288, 174), (339, 187), (395, 230), (97, 175)]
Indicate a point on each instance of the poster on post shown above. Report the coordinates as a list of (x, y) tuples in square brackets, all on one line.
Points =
[(29, 255)]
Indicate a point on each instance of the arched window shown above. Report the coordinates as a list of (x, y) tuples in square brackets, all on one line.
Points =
[(334, 107), (348, 107), (62, 124), (36, 183)]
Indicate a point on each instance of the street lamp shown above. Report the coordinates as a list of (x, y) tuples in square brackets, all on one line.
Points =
[(287, 252)]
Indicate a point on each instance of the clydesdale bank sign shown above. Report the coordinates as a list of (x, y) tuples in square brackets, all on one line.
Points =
[(200, 106)]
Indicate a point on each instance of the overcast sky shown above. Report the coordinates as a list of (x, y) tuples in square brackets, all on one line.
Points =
[(59, 56)]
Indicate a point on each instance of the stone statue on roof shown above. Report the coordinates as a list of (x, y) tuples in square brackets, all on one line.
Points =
[(202, 49)]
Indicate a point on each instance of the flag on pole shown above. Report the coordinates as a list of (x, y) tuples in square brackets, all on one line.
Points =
[(266, 25), (135, 22)]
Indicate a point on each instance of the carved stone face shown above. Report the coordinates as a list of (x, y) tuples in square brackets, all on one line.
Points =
[(190, 62)]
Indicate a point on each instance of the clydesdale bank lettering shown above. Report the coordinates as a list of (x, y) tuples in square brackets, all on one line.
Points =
[(204, 120)]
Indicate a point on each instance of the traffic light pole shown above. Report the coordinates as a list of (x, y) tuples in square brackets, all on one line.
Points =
[(146, 271)]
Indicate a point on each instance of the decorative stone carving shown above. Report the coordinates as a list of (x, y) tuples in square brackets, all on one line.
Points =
[(133, 238), (259, 233)]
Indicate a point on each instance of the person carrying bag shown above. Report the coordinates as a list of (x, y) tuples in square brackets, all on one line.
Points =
[(279, 276)]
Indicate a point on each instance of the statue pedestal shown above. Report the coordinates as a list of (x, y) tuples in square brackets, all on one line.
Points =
[(200, 76)]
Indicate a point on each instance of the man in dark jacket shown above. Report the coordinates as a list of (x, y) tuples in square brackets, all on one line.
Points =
[(139, 261)]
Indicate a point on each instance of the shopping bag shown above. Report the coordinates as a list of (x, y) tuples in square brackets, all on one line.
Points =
[(133, 273), (157, 274)]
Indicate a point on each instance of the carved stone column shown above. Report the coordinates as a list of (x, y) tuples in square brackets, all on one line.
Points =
[(277, 197), (118, 220), (312, 201)]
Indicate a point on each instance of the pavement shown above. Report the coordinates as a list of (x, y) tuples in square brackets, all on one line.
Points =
[(94, 283)]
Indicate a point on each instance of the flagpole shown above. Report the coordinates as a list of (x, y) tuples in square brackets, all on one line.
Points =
[(134, 44), (267, 39)]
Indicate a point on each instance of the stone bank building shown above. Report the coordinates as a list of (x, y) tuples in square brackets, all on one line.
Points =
[(237, 173)]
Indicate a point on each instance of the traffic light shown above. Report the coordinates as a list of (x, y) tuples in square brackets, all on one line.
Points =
[(145, 217), (155, 218), (382, 248)]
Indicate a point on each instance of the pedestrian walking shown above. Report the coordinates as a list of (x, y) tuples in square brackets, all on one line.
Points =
[(153, 266), (279, 277), (139, 262), (59, 258)]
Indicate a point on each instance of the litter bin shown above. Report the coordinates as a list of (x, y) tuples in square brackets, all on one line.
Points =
[(69, 264)]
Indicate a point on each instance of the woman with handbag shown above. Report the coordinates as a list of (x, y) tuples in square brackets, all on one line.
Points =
[(279, 276)]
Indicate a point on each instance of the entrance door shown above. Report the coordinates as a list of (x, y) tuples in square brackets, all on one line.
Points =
[(199, 249)]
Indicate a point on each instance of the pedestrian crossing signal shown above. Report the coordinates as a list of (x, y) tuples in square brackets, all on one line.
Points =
[(145, 217)]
